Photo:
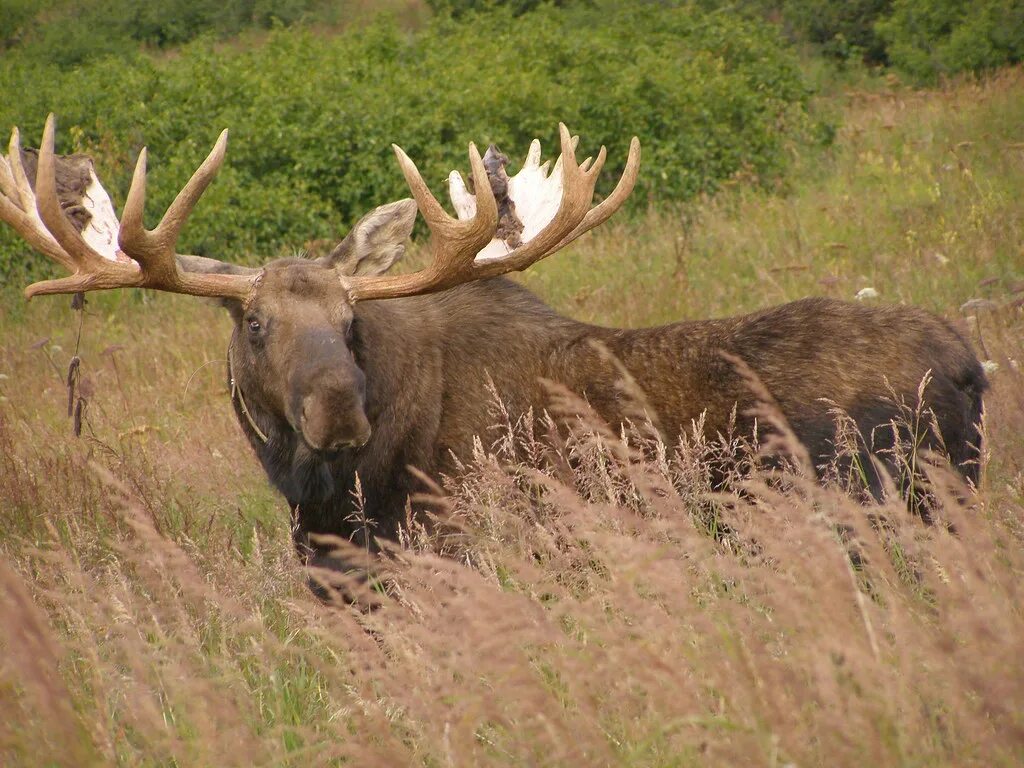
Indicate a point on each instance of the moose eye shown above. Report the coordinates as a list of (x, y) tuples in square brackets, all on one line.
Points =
[(254, 326)]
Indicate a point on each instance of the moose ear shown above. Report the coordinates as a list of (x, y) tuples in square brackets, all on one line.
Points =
[(376, 241)]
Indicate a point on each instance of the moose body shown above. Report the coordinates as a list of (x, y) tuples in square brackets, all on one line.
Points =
[(340, 370), (429, 363)]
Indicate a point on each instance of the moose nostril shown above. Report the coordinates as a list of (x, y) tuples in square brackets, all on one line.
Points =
[(331, 420)]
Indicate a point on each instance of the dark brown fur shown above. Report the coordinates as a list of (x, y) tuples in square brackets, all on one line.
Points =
[(427, 362)]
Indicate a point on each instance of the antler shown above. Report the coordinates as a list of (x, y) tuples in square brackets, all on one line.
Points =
[(147, 258), (457, 243)]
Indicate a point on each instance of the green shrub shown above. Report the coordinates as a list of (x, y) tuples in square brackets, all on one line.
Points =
[(842, 29), (925, 38), (312, 118), (16, 18), (835, 29), (72, 33), (457, 8), (931, 38)]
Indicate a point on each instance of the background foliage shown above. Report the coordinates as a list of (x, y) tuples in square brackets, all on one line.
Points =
[(71, 33), (712, 88), (843, 30), (313, 117), (923, 39), (930, 38)]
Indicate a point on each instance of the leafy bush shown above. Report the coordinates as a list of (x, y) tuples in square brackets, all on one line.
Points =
[(312, 118), (930, 38), (459, 7), (836, 30), (16, 17), (72, 33), (843, 30), (925, 38)]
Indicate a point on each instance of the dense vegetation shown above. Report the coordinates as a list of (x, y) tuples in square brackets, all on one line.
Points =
[(925, 39), (922, 39), (712, 88), (843, 30), (69, 33), (312, 117), (932, 38)]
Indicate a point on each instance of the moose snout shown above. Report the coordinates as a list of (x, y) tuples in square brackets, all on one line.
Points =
[(331, 415)]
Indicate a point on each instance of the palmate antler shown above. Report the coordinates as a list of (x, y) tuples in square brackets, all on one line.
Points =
[(457, 243), (147, 258)]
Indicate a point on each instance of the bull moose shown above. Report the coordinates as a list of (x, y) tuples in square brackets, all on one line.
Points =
[(338, 369)]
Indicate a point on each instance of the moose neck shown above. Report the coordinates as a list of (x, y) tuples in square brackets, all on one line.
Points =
[(432, 364)]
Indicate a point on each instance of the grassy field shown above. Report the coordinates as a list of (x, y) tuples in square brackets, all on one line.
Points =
[(152, 611)]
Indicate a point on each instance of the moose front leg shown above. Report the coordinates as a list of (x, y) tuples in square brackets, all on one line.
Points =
[(339, 570)]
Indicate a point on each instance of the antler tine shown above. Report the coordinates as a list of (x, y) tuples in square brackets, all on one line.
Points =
[(154, 249), (83, 258), (558, 160), (23, 213), (8, 187), (455, 242), (472, 234), (174, 219), (432, 211), (595, 168), (23, 217), (623, 189), (568, 155), (146, 247), (23, 190)]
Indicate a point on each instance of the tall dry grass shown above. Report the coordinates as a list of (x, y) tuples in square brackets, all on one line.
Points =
[(578, 610), (592, 603)]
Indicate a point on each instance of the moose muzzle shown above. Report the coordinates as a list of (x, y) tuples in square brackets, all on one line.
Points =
[(332, 418), (327, 406)]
